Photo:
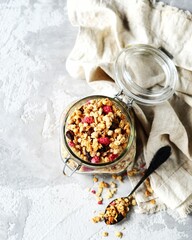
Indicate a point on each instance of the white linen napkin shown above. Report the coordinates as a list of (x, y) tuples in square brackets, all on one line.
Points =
[(105, 28)]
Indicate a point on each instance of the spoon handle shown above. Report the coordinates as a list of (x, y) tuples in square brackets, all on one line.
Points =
[(159, 158)]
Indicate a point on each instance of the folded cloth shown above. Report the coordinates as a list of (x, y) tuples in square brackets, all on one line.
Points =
[(105, 28)]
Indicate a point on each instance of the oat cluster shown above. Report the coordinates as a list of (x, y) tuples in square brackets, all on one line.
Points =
[(98, 131)]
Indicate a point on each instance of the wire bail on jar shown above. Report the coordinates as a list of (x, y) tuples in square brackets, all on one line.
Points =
[(128, 102), (67, 169)]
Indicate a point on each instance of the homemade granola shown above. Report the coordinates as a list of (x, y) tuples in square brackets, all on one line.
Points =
[(98, 131), (118, 209)]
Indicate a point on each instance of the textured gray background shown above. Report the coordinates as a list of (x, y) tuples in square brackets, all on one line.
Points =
[(36, 201)]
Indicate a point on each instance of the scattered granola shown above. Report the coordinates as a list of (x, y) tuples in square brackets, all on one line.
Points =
[(113, 185), (103, 184), (98, 131), (119, 234), (133, 172), (98, 218), (148, 185), (134, 203), (147, 193), (120, 178), (109, 194), (105, 234), (114, 176), (99, 192), (152, 201), (95, 179)]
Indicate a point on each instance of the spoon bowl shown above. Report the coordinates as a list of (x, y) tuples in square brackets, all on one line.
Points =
[(117, 210)]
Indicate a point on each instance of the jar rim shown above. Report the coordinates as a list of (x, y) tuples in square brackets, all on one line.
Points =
[(126, 82), (98, 165)]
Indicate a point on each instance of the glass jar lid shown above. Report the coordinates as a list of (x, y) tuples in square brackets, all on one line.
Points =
[(145, 74)]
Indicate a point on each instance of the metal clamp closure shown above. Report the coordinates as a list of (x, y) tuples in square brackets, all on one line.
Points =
[(68, 170), (128, 101)]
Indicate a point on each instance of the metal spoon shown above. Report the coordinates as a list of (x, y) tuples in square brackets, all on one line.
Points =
[(114, 207)]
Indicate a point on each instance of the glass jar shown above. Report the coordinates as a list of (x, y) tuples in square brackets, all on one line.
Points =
[(144, 75), (74, 163)]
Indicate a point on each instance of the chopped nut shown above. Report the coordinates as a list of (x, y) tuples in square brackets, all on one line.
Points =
[(99, 192), (114, 190), (147, 193), (103, 184), (119, 234), (152, 201), (99, 199), (148, 185), (109, 194), (133, 172), (134, 202), (101, 214), (113, 185), (105, 234), (114, 176), (95, 179), (120, 178), (150, 189), (96, 219)]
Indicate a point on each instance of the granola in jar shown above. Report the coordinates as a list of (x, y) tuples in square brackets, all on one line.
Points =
[(98, 136), (98, 131)]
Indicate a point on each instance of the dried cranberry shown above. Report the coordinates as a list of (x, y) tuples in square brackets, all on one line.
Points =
[(95, 159), (112, 157), (113, 203), (104, 141), (71, 144), (88, 120), (70, 134), (107, 109)]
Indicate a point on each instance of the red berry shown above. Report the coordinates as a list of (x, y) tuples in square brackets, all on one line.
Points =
[(142, 165), (100, 202), (113, 203), (107, 109), (95, 159), (113, 156), (71, 144), (104, 141), (88, 120), (93, 191)]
